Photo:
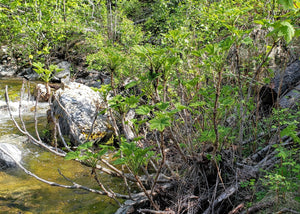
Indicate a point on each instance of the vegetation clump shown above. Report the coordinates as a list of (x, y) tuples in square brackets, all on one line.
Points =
[(200, 140)]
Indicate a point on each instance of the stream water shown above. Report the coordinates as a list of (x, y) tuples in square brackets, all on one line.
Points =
[(21, 193)]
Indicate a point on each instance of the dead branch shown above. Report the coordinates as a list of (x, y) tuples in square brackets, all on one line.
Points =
[(264, 151), (225, 195), (139, 199), (20, 106), (109, 192), (62, 138), (287, 210), (237, 209), (258, 206), (35, 116), (58, 152), (74, 186), (156, 212), (161, 145)]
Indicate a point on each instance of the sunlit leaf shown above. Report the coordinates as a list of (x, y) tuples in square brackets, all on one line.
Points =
[(160, 123), (286, 4), (85, 145), (72, 155), (143, 110)]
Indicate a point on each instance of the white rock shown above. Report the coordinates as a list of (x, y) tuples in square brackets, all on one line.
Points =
[(80, 106)]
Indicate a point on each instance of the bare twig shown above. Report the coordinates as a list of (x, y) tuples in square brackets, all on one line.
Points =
[(287, 210), (25, 132), (59, 152), (257, 207), (35, 116), (156, 211), (62, 138), (146, 193), (257, 71), (110, 193), (74, 186), (161, 163), (237, 209), (93, 123), (215, 110), (225, 195), (20, 106)]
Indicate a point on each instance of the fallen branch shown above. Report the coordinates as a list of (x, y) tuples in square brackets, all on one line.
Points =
[(156, 212), (225, 195), (74, 186), (257, 207), (56, 151), (35, 116), (25, 132), (237, 209), (139, 199), (286, 210)]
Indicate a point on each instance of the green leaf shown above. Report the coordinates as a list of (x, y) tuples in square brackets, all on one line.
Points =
[(143, 110), (102, 152), (85, 145), (179, 106), (132, 101), (72, 155), (131, 84), (247, 41), (102, 112), (286, 4), (297, 32), (162, 106), (84, 157), (260, 22), (287, 31), (198, 104), (119, 161), (160, 123), (283, 29)]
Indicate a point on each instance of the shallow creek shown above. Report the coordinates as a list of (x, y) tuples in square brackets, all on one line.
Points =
[(20, 193)]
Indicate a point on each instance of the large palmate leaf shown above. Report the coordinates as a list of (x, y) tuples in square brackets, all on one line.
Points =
[(160, 123), (283, 29)]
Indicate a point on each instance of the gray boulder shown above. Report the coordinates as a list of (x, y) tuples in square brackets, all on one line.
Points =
[(289, 79), (11, 144), (93, 78), (291, 99), (76, 106), (7, 71), (64, 75), (5, 160), (29, 74), (284, 85)]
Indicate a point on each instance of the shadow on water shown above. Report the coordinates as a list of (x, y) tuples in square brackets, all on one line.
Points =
[(12, 205), (21, 193)]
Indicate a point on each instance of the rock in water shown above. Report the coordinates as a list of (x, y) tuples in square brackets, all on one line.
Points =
[(12, 145), (76, 106), (7, 71), (5, 160), (42, 90)]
